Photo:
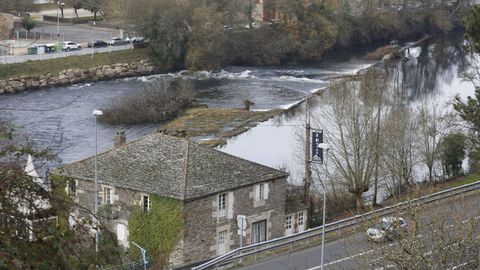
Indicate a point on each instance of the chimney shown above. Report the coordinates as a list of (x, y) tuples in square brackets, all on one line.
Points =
[(120, 138)]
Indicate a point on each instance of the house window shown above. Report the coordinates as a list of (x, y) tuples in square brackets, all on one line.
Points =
[(107, 195), (288, 222), (222, 206), (72, 187), (146, 203), (261, 191), (300, 219), (259, 231)]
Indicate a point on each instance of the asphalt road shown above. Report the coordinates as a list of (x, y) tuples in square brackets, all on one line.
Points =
[(80, 33), (354, 251)]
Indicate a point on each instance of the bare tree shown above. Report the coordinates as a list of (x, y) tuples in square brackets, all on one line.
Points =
[(432, 124), (349, 116), (444, 237), (399, 157)]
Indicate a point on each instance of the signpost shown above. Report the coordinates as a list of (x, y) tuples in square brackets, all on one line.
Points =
[(242, 225), (317, 152)]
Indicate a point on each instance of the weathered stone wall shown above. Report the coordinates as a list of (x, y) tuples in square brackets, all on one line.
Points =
[(72, 76), (202, 225), (6, 26)]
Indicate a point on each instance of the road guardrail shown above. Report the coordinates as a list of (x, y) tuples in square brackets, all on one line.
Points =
[(242, 252)]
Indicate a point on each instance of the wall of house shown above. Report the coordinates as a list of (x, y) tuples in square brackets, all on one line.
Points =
[(6, 26), (203, 223)]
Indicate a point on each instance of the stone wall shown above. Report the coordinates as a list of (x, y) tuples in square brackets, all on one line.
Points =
[(6, 26), (202, 226), (72, 76)]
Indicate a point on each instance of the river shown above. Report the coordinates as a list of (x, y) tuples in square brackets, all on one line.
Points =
[(434, 69), (60, 118)]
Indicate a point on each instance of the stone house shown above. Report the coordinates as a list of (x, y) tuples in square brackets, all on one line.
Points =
[(6, 26), (213, 187)]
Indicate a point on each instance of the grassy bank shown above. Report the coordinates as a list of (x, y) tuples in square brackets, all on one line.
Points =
[(216, 124), (34, 68)]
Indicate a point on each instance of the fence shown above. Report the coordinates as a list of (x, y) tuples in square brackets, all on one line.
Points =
[(253, 250), (44, 35)]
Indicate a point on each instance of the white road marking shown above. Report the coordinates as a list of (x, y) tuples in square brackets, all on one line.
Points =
[(343, 259)]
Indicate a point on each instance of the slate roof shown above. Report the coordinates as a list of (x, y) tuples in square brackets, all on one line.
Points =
[(156, 164), (293, 205)]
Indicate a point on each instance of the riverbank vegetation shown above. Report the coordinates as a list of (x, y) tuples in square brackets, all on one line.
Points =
[(212, 34), (216, 125), (158, 102), (35, 215), (377, 141), (35, 68)]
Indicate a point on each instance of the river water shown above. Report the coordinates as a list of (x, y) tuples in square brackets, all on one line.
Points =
[(60, 118), (434, 69)]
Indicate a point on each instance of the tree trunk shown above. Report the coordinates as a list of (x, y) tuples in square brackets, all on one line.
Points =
[(76, 11), (95, 16), (61, 9), (359, 201)]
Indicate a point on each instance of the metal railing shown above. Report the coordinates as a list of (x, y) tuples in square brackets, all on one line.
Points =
[(332, 227)]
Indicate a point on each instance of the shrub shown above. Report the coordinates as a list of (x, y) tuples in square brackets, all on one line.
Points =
[(160, 101)]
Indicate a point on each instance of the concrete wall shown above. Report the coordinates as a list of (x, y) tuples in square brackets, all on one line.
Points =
[(73, 76), (202, 225)]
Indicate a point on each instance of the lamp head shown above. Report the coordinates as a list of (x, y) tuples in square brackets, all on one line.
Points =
[(324, 146)]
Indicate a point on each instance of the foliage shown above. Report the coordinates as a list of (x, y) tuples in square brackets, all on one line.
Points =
[(309, 27), (472, 28), (160, 101), (28, 23), (267, 45), (94, 6), (206, 45), (453, 153), (16, 5), (57, 246), (158, 230), (474, 160), (168, 26), (469, 111)]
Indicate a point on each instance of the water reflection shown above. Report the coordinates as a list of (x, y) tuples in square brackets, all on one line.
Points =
[(435, 68)]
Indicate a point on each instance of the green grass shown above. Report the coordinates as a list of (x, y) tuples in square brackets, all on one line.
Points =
[(35, 68), (467, 179)]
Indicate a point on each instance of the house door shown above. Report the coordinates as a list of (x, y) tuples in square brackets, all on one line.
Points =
[(222, 243), (259, 231)]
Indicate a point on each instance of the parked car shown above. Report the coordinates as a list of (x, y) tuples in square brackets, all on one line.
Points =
[(97, 44), (134, 39), (70, 45), (389, 228), (116, 41)]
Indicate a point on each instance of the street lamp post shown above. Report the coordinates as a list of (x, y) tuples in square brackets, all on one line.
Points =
[(58, 17), (325, 147), (96, 113)]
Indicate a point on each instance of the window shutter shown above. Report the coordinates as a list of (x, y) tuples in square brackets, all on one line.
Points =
[(265, 191), (257, 192), (230, 201)]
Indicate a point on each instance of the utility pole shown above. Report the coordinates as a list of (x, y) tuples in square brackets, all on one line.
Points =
[(308, 169)]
